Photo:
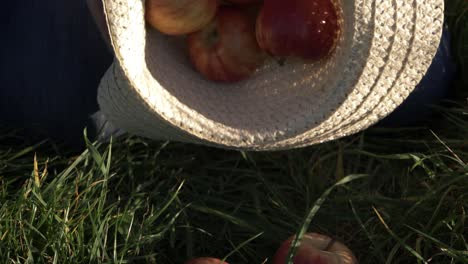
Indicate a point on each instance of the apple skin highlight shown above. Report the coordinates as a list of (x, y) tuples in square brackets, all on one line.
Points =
[(316, 249), (180, 17), (308, 29)]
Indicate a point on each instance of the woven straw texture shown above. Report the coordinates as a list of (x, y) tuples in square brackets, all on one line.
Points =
[(152, 90)]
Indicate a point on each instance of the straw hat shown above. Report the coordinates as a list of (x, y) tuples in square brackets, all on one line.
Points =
[(152, 90)]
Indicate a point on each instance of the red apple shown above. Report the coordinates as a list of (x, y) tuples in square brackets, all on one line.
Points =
[(308, 29), (205, 260), (180, 17), (226, 50), (316, 249)]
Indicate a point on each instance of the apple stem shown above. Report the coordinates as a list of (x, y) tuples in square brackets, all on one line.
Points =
[(330, 244)]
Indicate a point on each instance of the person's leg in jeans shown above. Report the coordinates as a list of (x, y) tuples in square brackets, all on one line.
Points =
[(52, 57)]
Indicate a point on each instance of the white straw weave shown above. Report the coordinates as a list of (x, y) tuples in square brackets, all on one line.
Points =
[(152, 90)]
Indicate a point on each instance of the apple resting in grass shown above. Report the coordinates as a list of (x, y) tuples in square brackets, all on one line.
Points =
[(308, 29), (226, 49), (316, 249), (178, 17), (205, 260)]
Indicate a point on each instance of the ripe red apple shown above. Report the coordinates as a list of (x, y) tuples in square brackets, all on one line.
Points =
[(316, 249), (308, 29), (205, 260), (226, 49), (180, 17)]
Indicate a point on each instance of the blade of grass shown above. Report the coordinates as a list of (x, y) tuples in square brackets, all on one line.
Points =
[(313, 211), (398, 239), (443, 247), (241, 245)]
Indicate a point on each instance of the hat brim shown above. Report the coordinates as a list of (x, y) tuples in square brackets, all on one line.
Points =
[(151, 90)]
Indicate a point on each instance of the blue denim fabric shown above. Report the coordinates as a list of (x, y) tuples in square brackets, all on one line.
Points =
[(433, 88), (51, 60)]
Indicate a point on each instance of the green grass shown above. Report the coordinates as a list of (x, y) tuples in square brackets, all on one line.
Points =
[(402, 195), (140, 201)]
